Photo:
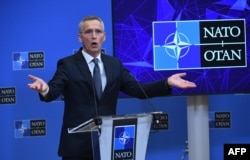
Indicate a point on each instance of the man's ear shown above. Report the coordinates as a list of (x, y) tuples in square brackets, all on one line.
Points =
[(104, 37), (79, 38)]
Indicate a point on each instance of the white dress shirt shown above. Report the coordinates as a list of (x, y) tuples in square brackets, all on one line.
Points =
[(91, 65)]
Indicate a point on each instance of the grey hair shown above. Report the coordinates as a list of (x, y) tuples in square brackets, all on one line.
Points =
[(89, 18)]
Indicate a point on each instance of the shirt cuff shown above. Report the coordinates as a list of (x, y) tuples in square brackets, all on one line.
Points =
[(45, 92), (167, 86)]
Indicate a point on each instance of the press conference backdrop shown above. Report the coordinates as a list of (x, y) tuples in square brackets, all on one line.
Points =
[(207, 39), (34, 35)]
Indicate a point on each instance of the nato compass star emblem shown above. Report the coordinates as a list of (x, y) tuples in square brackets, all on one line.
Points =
[(177, 45), (22, 129), (124, 138), (20, 61)]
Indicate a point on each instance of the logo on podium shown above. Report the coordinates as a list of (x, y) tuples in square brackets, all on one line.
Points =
[(124, 139)]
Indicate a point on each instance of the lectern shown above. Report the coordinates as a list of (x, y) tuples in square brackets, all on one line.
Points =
[(120, 137)]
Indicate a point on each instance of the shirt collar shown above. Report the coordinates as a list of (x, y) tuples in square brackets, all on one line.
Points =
[(89, 58)]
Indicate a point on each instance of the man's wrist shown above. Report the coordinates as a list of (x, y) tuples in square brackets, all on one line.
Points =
[(44, 93), (167, 86)]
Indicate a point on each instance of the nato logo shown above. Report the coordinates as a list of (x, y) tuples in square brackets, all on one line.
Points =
[(124, 142), (28, 60), (8, 95), (29, 128), (220, 120), (199, 44)]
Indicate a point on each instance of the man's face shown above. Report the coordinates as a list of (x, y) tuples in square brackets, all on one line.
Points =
[(92, 36)]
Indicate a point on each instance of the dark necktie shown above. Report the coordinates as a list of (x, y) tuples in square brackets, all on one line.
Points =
[(97, 79)]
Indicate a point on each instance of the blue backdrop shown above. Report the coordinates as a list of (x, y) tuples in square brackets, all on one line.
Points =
[(49, 29)]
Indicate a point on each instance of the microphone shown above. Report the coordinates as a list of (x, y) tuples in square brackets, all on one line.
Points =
[(147, 98), (160, 119), (97, 118)]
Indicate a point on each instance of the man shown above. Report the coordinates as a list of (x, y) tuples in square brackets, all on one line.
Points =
[(73, 79)]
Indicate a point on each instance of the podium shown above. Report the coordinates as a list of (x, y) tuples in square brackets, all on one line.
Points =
[(120, 137)]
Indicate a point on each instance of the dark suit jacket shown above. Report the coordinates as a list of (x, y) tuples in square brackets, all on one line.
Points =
[(73, 79)]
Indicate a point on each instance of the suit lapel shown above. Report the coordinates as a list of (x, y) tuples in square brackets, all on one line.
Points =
[(108, 70), (83, 68)]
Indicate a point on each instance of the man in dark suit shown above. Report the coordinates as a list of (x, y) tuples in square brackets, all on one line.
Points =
[(73, 79)]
